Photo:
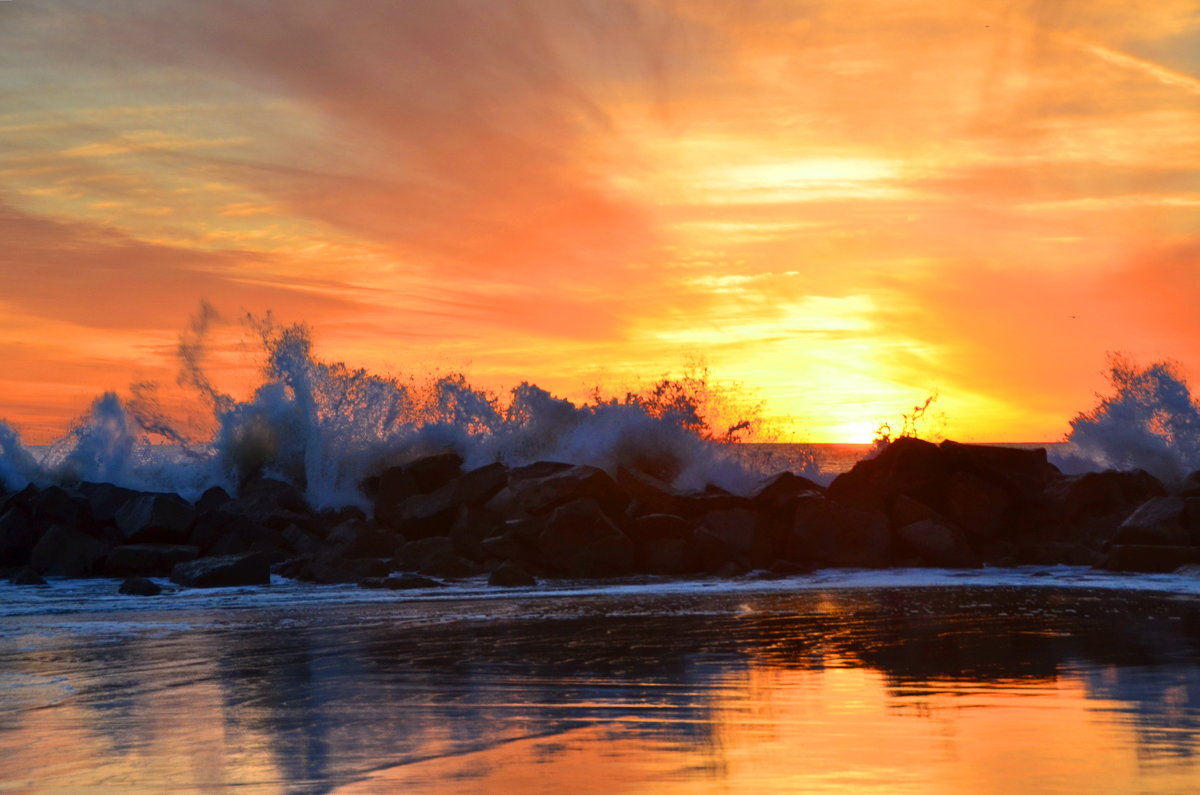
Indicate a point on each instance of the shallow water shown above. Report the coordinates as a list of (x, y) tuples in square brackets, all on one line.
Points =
[(911, 681)]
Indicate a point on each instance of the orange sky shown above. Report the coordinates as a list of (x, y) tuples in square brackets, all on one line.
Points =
[(843, 205)]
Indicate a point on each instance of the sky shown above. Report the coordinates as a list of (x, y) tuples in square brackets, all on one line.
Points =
[(844, 207)]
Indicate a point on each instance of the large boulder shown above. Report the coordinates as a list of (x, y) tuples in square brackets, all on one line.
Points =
[(57, 506), (147, 560), (18, 535), (422, 476), (740, 535), (139, 586), (155, 519), (579, 540), (510, 575), (1160, 520), (540, 495), (1149, 558), (1090, 507), (669, 556), (224, 571), (104, 499), (939, 544), (64, 551), (423, 515), (830, 533)]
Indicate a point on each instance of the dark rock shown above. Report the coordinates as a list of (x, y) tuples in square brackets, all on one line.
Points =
[(105, 499), (155, 518), (422, 476), (211, 527), (978, 505), (423, 515), (63, 551), (414, 554), (27, 576), (1149, 557), (301, 541), (403, 582), (471, 526), (56, 506), (259, 498), (579, 540), (905, 510), (449, 566), (906, 466), (329, 569), (780, 492), (642, 529), (541, 495), (139, 586), (224, 571), (670, 556), (1190, 487), (509, 546), (357, 539), (147, 559), (839, 535), (212, 499), (740, 535), (939, 544), (651, 495), (18, 535), (510, 575), (1160, 520)]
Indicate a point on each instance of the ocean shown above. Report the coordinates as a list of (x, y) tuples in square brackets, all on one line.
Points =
[(1029, 680)]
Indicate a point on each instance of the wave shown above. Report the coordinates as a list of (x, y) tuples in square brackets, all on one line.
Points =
[(1150, 421), (326, 426)]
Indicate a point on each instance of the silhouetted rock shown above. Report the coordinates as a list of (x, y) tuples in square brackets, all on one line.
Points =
[(423, 476), (357, 539), (780, 492), (657, 526), (542, 495), (327, 568), (510, 575), (18, 535), (147, 559), (224, 571), (1149, 558), (423, 515), (939, 544), (56, 506), (155, 519), (669, 556), (104, 499), (740, 535), (27, 576), (579, 540), (840, 535), (1160, 520), (63, 551), (212, 499), (139, 586)]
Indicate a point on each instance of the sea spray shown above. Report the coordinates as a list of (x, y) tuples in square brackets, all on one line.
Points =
[(325, 427), (1150, 421)]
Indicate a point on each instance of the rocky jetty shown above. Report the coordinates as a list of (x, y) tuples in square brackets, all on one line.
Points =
[(914, 504)]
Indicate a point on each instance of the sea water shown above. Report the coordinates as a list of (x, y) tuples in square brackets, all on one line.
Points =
[(1031, 680)]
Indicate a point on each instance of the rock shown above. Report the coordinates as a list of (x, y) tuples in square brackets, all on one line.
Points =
[(260, 498), (1149, 557), (55, 505), (669, 556), (301, 541), (510, 575), (105, 499), (63, 551), (424, 515), (1160, 520), (651, 495), (147, 559), (224, 571), (211, 527), (905, 510), (779, 492), (1096, 495), (155, 519), (139, 586), (403, 582), (739, 535), (579, 540), (27, 576), (328, 569), (839, 535), (212, 499), (642, 529), (422, 476), (907, 466), (471, 526), (978, 505), (17, 537), (541, 495), (939, 544), (357, 539)]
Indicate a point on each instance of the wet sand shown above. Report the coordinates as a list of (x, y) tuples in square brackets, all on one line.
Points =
[(980, 688)]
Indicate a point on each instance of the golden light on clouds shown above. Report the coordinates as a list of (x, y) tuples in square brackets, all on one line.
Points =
[(843, 206)]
